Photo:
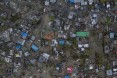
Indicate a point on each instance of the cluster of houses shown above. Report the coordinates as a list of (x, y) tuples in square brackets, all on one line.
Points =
[(69, 26)]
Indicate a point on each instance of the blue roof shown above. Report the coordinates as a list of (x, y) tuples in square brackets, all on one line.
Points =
[(24, 34), (61, 42), (34, 47), (72, 1), (18, 47), (67, 77)]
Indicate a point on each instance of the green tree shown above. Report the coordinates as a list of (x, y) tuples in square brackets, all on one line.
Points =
[(3, 28), (14, 17), (51, 18), (108, 21), (99, 58)]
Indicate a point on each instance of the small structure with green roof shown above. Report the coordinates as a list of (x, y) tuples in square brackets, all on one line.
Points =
[(82, 34)]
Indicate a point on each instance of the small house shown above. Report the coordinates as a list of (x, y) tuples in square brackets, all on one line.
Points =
[(74, 1), (21, 42), (9, 71), (106, 49), (33, 38), (83, 46), (82, 49), (34, 47), (11, 52), (24, 35), (46, 3), (19, 54), (18, 64), (32, 61), (72, 35), (70, 16), (6, 36), (27, 54), (45, 55), (91, 66), (100, 36), (115, 70), (83, 2), (108, 5), (57, 21), (77, 1), (54, 42), (70, 70), (18, 47), (90, 2), (43, 58), (109, 72), (94, 19), (115, 12), (66, 76), (114, 63), (58, 66), (82, 34), (71, 1), (8, 59), (111, 35), (61, 41), (53, 1)]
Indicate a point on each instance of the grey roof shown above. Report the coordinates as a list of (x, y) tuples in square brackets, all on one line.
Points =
[(46, 2), (77, 1), (53, 1), (41, 59), (109, 72)]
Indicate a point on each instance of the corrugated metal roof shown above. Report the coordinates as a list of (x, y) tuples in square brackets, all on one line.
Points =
[(111, 35), (82, 34), (77, 1), (53, 1)]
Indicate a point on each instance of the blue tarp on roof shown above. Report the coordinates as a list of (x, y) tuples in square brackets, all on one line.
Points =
[(61, 42), (18, 47), (67, 77), (24, 34), (34, 47), (71, 1)]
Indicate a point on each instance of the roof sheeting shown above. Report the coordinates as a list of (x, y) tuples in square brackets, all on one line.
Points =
[(53, 1), (82, 34), (111, 35), (77, 1), (70, 70), (24, 34), (109, 72), (34, 47), (61, 42), (67, 77), (18, 47), (72, 1)]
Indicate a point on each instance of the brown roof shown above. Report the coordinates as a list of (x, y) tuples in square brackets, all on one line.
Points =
[(115, 11)]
